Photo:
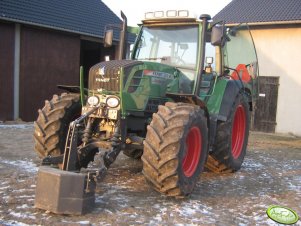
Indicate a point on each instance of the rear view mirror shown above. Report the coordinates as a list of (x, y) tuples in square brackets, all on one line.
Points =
[(108, 39), (183, 46), (217, 34)]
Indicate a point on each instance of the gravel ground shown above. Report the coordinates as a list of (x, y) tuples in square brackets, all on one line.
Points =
[(271, 174)]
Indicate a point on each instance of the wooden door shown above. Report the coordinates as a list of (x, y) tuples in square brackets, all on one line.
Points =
[(266, 106), (7, 45), (48, 59)]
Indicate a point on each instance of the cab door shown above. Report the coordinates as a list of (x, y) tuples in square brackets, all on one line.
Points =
[(240, 58)]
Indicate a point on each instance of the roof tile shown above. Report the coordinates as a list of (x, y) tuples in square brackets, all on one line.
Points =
[(78, 16), (252, 11)]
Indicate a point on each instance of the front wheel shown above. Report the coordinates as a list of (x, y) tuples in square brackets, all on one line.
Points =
[(175, 148), (231, 139), (51, 126)]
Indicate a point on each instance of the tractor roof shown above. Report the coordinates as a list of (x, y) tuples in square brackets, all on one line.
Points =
[(170, 16), (169, 20)]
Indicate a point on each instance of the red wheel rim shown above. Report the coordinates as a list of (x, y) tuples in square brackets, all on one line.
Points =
[(193, 151), (238, 131)]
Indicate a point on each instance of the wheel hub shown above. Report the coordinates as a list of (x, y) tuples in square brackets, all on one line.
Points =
[(193, 151), (238, 131)]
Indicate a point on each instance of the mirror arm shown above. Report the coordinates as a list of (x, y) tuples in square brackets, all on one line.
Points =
[(212, 24)]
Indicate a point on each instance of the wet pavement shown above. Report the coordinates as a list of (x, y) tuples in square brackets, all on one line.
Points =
[(270, 175)]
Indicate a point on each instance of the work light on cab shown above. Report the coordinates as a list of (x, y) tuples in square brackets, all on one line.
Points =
[(167, 14)]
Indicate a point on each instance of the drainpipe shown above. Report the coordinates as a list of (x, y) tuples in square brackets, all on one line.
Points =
[(17, 71)]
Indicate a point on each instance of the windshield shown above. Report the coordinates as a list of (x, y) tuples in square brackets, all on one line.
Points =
[(172, 45)]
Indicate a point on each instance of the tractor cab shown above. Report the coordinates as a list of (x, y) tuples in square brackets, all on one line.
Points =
[(174, 42), (199, 50)]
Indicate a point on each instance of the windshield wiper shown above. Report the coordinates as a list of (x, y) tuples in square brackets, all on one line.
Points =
[(154, 58)]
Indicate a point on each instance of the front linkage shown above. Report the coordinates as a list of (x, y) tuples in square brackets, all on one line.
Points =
[(80, 149), (75, 157)]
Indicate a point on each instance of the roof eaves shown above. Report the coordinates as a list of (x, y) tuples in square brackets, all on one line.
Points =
[(267, 23), (51, 27)]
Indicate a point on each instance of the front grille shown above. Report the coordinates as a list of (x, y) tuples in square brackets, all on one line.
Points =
[(106, 75)]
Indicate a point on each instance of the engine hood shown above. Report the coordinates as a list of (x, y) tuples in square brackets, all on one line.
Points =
[(107, 75)]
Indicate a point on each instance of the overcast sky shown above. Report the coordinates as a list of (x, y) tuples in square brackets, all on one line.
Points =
[(135, 9)]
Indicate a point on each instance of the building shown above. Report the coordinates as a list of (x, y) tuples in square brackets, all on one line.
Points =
[(276, 30), (43, 43)]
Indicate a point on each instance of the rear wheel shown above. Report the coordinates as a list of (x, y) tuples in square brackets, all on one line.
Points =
[(51, 126), (175, 148), (231, 139)]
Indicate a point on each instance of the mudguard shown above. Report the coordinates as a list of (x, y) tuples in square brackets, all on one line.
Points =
[(232, 89)]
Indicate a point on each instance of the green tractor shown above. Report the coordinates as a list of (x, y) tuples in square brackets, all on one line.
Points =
[(181, 102)]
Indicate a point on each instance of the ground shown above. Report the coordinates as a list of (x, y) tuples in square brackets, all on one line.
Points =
[(270, 174)]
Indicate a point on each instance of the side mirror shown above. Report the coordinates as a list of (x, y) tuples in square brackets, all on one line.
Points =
[(108, 39), (183, 46), (217, 35)]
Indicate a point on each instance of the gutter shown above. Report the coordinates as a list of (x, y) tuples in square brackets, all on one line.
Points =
[(52, 27), (17, 71), (291, 22)]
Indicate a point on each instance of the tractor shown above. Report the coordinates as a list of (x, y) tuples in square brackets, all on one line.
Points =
[(181, 102)]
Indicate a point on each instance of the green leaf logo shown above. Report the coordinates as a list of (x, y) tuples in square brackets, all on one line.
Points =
[(282, 215)]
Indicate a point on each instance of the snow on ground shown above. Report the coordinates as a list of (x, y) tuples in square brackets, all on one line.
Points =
[(16, 126), (26, 164), (13, 223), (268, 176)]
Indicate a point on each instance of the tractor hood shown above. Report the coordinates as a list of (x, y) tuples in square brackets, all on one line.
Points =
[(127, 75), (107, 75)]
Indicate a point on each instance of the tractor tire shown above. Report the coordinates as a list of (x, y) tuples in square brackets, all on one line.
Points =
[(133, 153), (175, 148), (231, 141), (52, 124)]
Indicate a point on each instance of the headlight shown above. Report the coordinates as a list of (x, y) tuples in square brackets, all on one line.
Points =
[(112, 102), (93, 100)]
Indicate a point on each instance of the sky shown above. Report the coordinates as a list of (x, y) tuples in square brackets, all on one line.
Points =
[(135, 9)]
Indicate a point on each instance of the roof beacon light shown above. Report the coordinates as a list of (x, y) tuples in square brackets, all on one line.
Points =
[(159, 14), (168, 14), (171, 13), (183, 13), (149, 15)]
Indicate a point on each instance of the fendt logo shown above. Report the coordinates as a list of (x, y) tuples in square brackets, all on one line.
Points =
[(158, 74), (101, 72)]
